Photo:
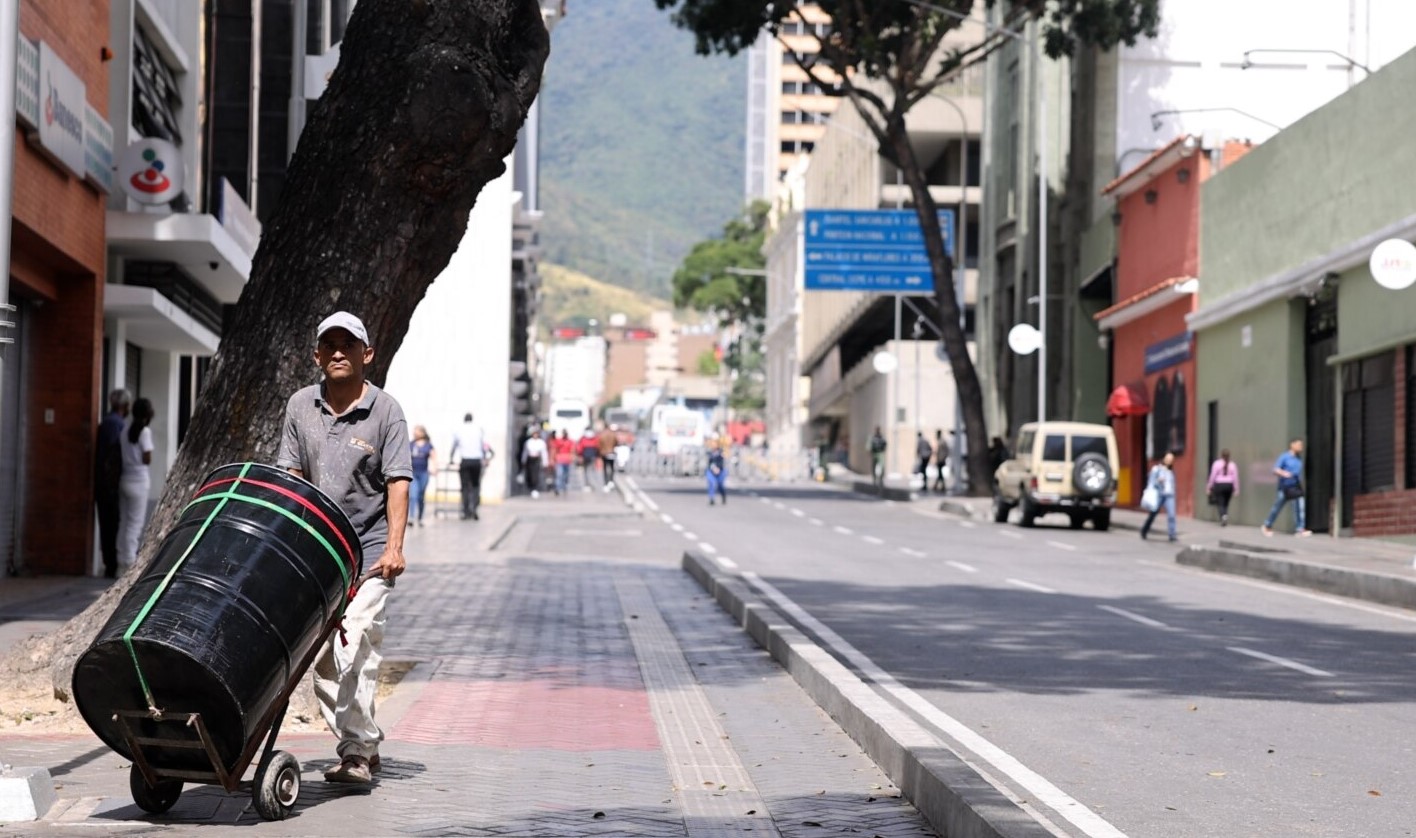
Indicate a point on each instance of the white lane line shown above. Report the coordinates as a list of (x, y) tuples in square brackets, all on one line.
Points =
[(644, 496), (798, 513), (1062, 545), (690, 536), (843, 530), (727, 562), (778, 504), (1032, 586), (1076, 812), (764, 500), (815, 522), (967, 568), (1010, 534), (1291, 664), (889, 503), (1133, 616), (910, 552), (677, 527), (968, 525), (666, 517), (873, 540), (706, 547)]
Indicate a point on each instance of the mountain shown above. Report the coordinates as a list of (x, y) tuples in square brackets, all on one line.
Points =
[(641, 144), (570, 298)]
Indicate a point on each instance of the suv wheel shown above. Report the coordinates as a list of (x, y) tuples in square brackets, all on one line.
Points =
[(1001, 508), (1101, 519), (1091, 475), (1029, 511), (1078, 519)]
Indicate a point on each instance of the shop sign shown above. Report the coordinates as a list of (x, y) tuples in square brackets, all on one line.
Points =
[(1168, 353), (150, 171), (1393, 264), (62, 98)]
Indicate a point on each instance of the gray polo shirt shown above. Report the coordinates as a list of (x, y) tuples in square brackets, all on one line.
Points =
[(351, 458)]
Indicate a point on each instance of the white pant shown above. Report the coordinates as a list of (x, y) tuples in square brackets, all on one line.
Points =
[(346, 676), (132, 514)]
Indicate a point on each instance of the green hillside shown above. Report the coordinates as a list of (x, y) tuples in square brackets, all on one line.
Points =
[(641, 146), (570, 298)]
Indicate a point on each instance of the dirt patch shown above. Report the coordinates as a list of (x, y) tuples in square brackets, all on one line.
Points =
[(31, 708)]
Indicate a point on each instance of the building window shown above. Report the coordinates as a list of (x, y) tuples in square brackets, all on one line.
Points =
[(156, 98), (1369, 424)]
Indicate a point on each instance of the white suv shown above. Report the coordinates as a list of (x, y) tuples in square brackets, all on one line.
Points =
[(1067, 467)]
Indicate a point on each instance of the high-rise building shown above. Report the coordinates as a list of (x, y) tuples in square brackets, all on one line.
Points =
[(787, 110)]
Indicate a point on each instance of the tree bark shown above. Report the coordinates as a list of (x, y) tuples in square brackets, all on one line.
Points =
[(420, 114), (970, 392)]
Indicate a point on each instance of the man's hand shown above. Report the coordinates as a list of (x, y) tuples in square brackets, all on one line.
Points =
[(390, 565)]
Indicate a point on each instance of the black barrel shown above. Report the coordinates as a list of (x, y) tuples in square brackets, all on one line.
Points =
[(242, 589)]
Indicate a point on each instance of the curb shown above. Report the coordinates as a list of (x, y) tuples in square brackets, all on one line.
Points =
[(884, 492), (1365, 585), (952, 796)]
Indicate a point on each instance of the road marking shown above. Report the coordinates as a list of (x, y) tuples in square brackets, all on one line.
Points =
[(967, 568), (706, 547), (968, 525), (1010, 534), (1076, 812), (691, 536), (889, 503), (666, 517), (677, 527), (798, 513), (843, 530), (644, 496), (1291, 664), (1131, 615), (1032, 586), (1060, 545), (727, 562), (909, 552), (815, 522), (623, 533), (778, 504), (873, 540), (764, 500)]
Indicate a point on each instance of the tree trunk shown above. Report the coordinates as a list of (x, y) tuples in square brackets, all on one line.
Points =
[(970, 393), (419, 115)]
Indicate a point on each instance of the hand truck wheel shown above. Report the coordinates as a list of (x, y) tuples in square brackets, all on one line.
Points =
[(276, 786), (153, 799)]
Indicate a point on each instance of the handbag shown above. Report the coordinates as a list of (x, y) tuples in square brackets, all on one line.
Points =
[(1150, 498), (1293, 492)]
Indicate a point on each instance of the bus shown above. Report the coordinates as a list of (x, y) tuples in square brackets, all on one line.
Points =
[(571, 416)]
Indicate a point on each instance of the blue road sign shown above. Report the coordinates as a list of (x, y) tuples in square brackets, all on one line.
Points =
[(870, 250)]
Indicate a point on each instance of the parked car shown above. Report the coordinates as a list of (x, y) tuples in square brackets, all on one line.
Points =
[(1066, 467)]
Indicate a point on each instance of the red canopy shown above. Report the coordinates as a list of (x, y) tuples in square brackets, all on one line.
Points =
[(1128, 400)]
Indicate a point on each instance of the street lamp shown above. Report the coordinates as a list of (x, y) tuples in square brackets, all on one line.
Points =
[(1246, 64), (1155, 117)]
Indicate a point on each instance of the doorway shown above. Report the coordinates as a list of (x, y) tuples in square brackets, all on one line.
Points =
[(1321, 443)]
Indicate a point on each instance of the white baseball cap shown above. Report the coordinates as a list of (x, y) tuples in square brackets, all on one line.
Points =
[(346, 321)]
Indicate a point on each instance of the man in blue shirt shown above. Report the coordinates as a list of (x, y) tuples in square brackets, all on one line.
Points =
[(1289, 469)]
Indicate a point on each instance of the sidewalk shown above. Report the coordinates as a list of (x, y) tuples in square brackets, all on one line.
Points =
[(1358, 568), (569, 679)]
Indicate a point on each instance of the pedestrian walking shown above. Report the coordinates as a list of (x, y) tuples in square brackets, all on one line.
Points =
[(877, 458), (941, 461), (587, 451), (563, 455), (425, 465), (349, 438), (135, 484), (717, 473), (107, 477), (1162, 480), (924, 452), (533, 458), (606, 441), (1223, 485), (469, 452), (1289, 468)]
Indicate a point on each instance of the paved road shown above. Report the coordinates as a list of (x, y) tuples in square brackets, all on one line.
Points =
[(1087, 672)]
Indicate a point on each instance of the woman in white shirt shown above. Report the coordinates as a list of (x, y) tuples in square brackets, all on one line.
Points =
[(533, 456), (135, 484)]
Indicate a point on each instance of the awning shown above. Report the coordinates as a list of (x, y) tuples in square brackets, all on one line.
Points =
[(1128, 400)]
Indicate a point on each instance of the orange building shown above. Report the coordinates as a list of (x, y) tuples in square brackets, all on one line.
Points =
[(1152, 350), (50, 405)]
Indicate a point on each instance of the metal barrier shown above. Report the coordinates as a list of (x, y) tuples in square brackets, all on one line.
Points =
[(745, 463)]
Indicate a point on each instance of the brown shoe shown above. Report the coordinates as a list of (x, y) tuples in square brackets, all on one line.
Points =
[(374, 763), (351, 769)]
